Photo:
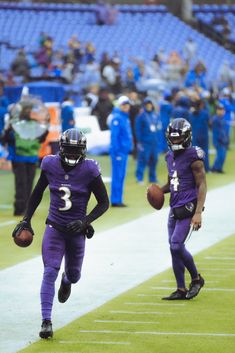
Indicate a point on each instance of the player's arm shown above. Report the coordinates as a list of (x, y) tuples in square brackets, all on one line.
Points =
[(99, 190), (200, 180), (166, 188), (33, 203)]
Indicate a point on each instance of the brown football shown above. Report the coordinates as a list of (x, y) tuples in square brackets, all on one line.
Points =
[(24, 238), (155, 196)]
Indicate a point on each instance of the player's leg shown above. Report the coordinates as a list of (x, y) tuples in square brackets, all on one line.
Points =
[(74, 254), (181, 231), (53, 247), (177, 262)]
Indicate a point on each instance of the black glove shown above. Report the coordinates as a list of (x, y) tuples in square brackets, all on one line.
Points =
[(24, 224), (89, 231), (81, 227)]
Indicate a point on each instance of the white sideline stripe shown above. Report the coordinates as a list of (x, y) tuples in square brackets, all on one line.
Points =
[(219, 258), (7, 223), (139, 312), (126, 322), (224, 264), (155, 304), (93, 342), (213, 334), (218, 269), (6, 206), (116, 260)]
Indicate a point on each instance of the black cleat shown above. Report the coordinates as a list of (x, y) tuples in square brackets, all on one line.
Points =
[(118, 205), (64, 291), (177, 295), (195, 287), (46, 329)]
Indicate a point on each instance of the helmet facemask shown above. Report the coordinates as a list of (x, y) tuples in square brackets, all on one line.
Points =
[(179, 135), (72, 147)]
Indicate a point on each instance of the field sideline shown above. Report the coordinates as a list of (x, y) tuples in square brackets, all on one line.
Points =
[(108, 257), (138, 207)]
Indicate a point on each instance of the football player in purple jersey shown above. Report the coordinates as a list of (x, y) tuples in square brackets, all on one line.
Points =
[(187, 186), (71, 179)]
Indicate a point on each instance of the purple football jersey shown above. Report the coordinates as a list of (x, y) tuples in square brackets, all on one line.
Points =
[(182, 184), (69, 191)]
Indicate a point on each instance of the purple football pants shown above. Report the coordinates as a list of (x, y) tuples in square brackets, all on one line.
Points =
[(55, 246), (181, 258)]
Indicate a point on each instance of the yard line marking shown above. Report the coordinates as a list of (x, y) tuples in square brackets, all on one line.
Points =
[(6, 207), (93, 342), (218, 269), (219, 258), (219, 334), (220, 289), (204, 289), (156, 304), (7, 223), (127, 322), (173, 281), (139, 312), (149, 295)]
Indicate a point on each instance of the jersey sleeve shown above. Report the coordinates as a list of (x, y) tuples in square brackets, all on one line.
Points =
[(197, 154), (94, 169)]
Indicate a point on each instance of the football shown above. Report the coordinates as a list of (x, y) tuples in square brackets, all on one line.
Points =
[(24, 238), (155, 196)]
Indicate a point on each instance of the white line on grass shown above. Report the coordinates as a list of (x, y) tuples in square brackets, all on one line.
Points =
[(126, 322), (94, 342), (7, 223), (173, 281), (213, 334), (155, 304), (204, 289), (139, 312), (116, 260), (5, 207), (219, 258), (149, 295)]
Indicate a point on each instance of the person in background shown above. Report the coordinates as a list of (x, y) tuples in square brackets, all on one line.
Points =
[(148, 135), (4, 103), (165, 112), (103, 108), (67, 114), (199, 119), (71, 179), (220, 138), (187, 187), (23, 154), (120, 147)]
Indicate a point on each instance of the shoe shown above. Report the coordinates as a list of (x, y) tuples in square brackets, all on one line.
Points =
[(118, 205), (195, 287), (46, 329), (177, 295), (64, 290)]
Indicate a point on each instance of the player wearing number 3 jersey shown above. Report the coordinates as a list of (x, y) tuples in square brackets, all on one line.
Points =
[(187, 187), (71, 178)]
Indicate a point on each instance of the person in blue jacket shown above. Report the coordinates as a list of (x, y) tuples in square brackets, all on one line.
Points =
[(121, 145), (148, 129), (67, 114), (199, 118), (220, 138), (165, 112)]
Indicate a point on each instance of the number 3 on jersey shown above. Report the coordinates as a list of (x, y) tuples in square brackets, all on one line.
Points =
[(66, 198), (175, 181)]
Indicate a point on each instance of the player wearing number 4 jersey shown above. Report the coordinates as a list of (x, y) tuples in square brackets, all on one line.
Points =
[(71, 179), (187, 187)]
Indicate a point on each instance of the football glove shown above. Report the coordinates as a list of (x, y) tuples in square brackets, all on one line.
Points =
[(24, 224), (81, 227)]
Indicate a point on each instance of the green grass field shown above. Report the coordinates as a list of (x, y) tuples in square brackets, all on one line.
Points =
[(139, 321), (202, 325)]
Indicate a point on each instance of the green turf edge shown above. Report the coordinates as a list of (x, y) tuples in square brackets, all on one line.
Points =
[(211, 312)]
